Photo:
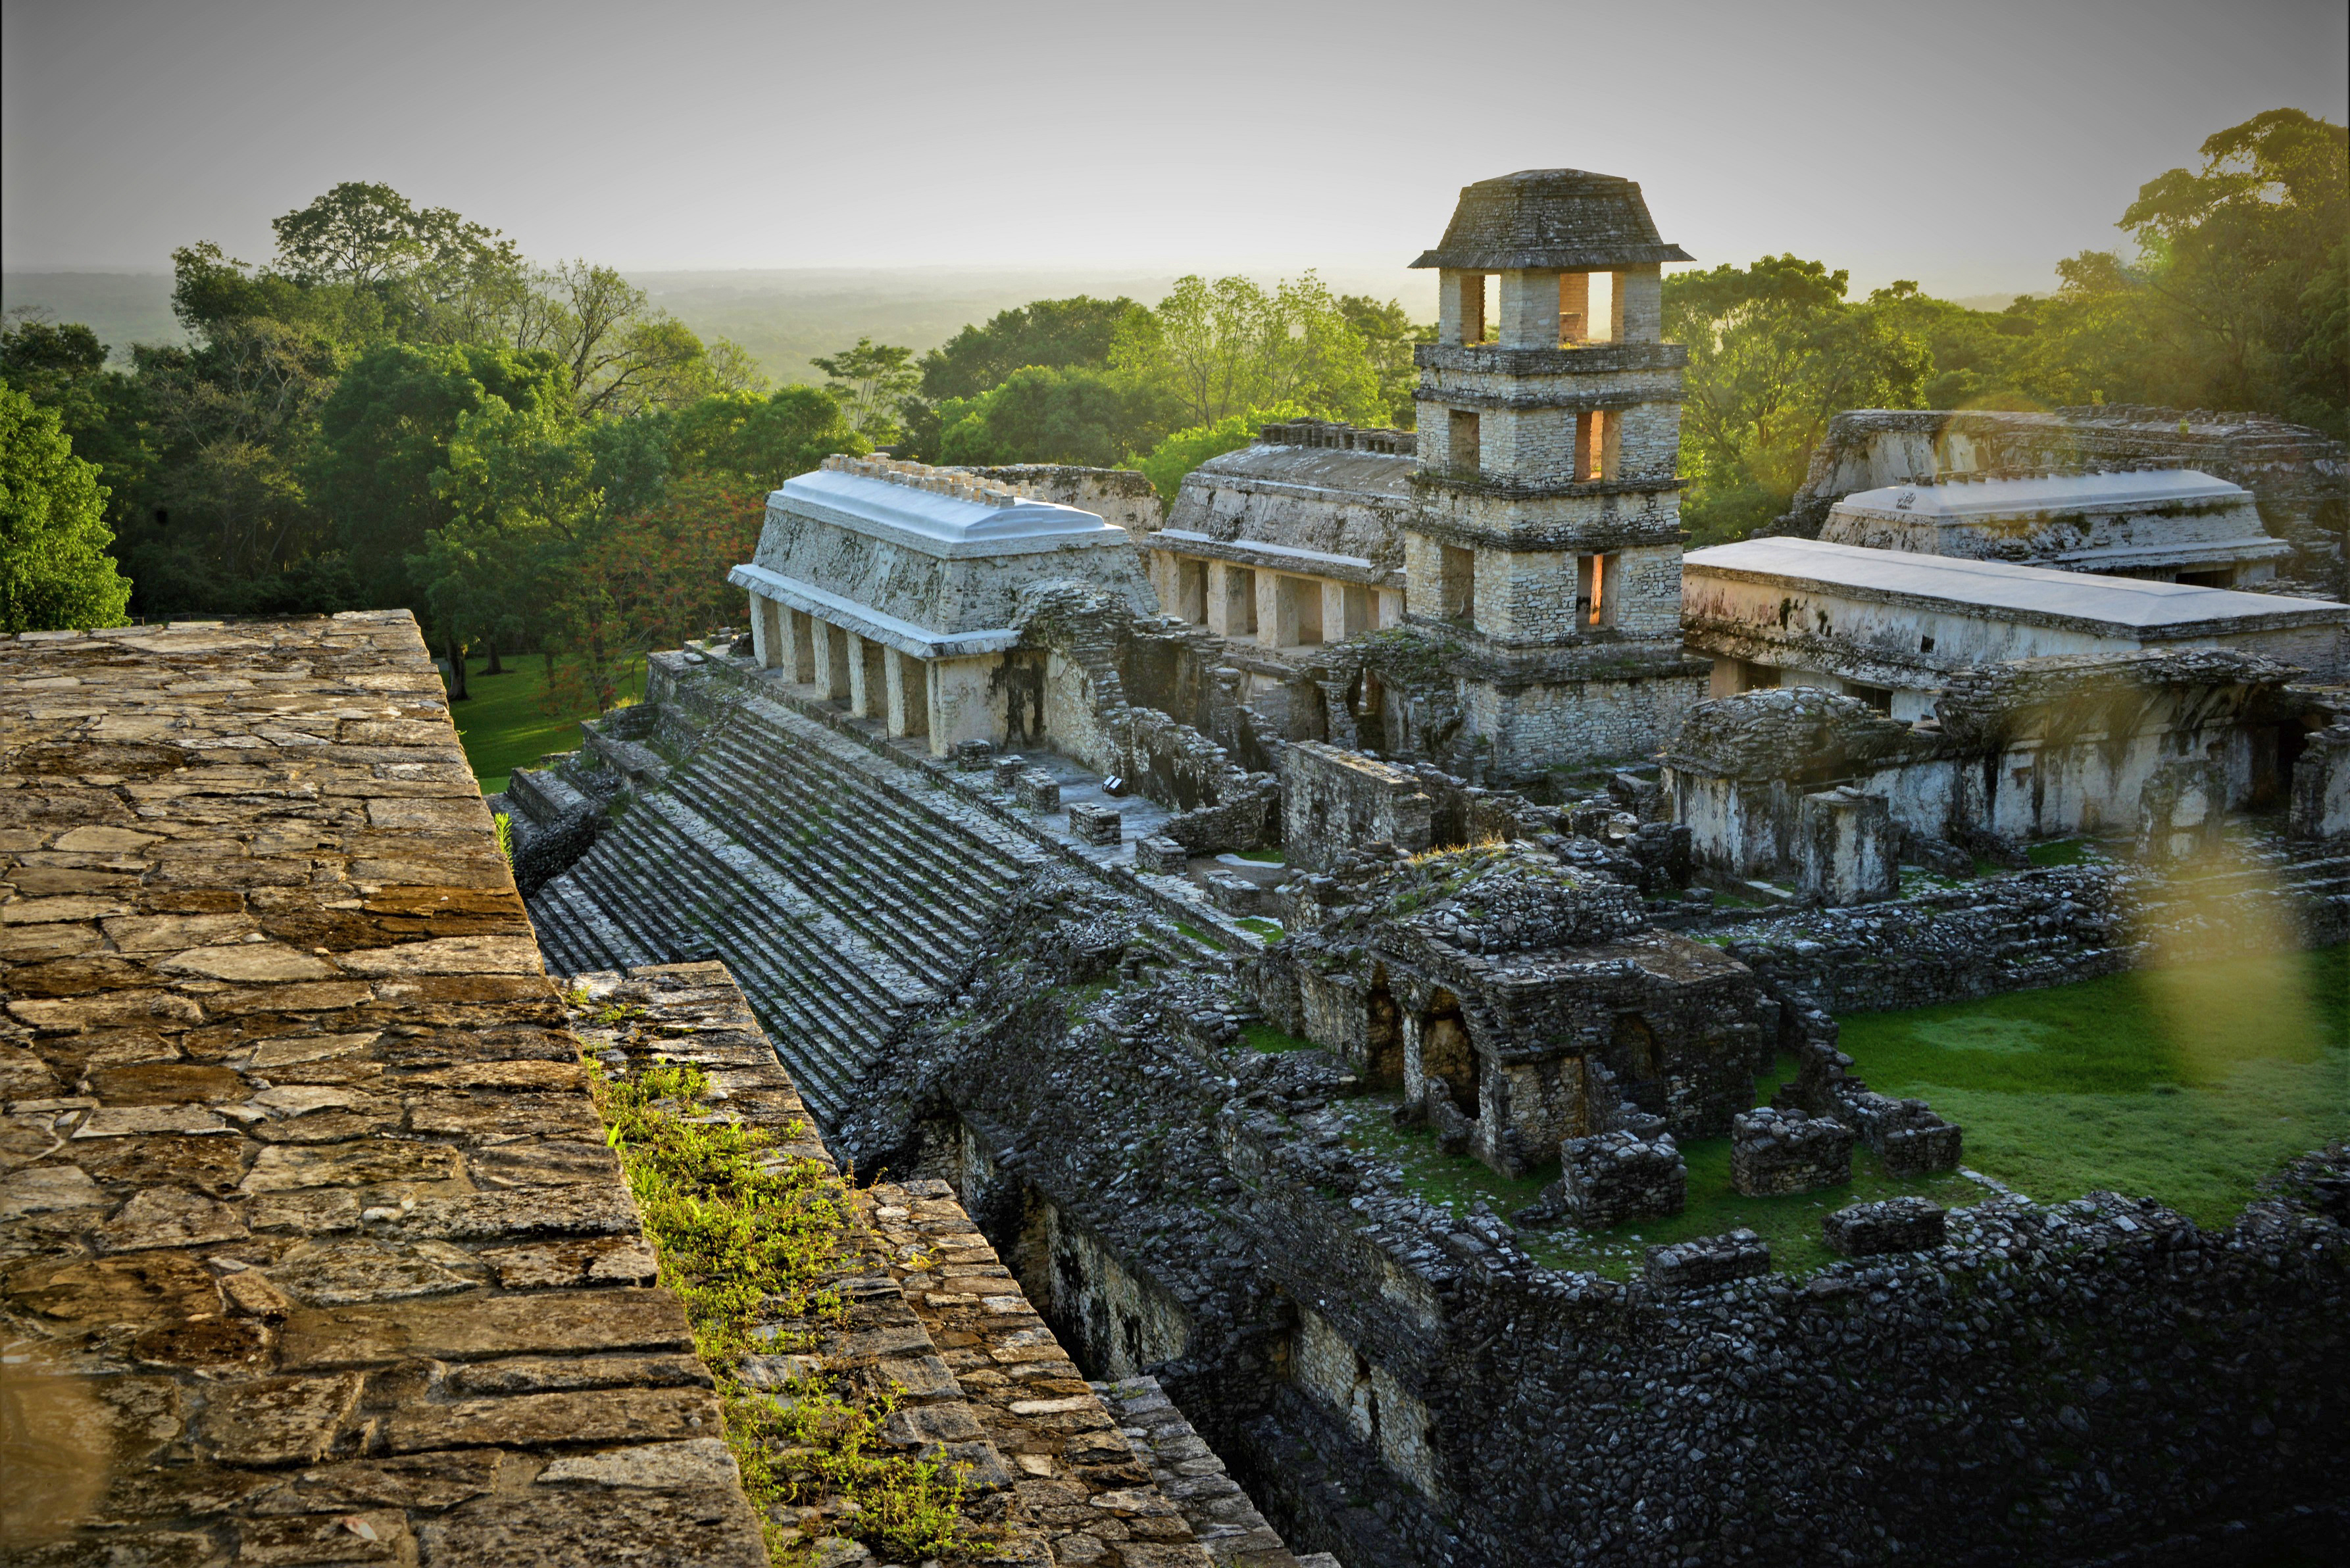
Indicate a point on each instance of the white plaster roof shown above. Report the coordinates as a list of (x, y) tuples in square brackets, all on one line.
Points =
[(1990, 589), (940, 524), (2154, 489)]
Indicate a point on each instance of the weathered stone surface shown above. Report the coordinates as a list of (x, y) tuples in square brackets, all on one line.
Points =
[(709, 1527), (43, 1188), (277, 1057), (276, 1420), (170, 1218), (699, 1461)]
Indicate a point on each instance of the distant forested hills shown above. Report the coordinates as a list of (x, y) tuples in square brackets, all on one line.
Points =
[(782, 317)]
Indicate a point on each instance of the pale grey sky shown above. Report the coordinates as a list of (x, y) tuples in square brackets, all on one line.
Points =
[(1967, 143)]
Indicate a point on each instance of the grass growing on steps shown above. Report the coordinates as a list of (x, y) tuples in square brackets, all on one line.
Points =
[(2186, 1084), (506, 725), (745, 1236)]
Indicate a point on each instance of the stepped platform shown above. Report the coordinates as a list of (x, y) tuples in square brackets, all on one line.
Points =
[(841, 894), (846, 879)]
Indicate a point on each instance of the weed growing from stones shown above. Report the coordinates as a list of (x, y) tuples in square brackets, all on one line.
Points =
[(745, 1236)]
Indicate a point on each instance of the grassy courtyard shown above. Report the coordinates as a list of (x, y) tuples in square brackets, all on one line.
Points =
[(2186, 1084), (505, 724)]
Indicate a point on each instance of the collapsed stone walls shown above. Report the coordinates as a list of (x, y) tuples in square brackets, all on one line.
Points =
[(1398, 1385), (2298, 476)]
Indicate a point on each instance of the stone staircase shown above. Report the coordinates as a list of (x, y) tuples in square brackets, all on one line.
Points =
[(841, 888)]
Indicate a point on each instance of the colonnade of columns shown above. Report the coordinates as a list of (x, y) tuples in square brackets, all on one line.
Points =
[(941, 699)]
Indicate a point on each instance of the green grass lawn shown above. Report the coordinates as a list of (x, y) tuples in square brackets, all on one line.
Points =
[(2186, 1084), (505, 724)]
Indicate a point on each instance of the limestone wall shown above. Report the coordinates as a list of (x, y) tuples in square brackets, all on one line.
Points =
[(2298, 478), (316, 1253)]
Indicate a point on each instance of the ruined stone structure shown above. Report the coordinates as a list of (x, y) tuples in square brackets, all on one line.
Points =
[(896, 587), (2169, 523), (2298, 478), (1895, 627), (1548, 535), (1291, 543), (1548, 1013), (2034, 749)]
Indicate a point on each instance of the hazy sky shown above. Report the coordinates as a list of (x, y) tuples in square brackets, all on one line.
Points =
[(1967, 144)]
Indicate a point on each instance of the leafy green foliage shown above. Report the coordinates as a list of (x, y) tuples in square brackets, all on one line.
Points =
[(1056, 334), (1037, 415), (1775, 352), (53, 569), (383, 432), (744, 1236), (872, 382), (764, 440), (1185, 450), (1213, 349)]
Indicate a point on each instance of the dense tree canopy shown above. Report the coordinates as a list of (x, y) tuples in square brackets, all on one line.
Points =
[(1775, 352), (53, 569), (399, 408), (1056, 333)]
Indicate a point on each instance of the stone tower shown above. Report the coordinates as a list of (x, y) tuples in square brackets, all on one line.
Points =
[(1547, 540)]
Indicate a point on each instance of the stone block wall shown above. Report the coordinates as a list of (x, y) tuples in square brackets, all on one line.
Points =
[(2320, 785), (1610, 1178), (1772, 1152), (317, 1251), (1333, 800)]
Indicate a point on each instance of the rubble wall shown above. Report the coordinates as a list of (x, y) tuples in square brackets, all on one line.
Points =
[(1398, 1385)]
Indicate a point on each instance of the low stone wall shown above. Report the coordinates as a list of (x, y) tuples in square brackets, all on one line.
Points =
[(2040, 927)]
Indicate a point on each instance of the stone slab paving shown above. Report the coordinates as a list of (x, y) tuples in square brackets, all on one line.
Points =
[(1189, 1472), (310, 1248)]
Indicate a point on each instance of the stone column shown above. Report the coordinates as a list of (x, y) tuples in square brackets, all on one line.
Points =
[(1390, 607), (909, 698), (833, 663), (1460, 306), (963, 702), (1638, 314), (1226, 616), (875, 663), (1268, 611), (2320, 785), (1847, 848), (764, 652), (1529, 309), (1573, 306), (800, 632), (861, 693)]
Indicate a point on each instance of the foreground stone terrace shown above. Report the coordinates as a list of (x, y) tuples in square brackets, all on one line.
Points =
[(313, 1252)]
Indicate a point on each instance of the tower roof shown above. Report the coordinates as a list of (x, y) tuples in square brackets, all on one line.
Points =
[(1568, 219)]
